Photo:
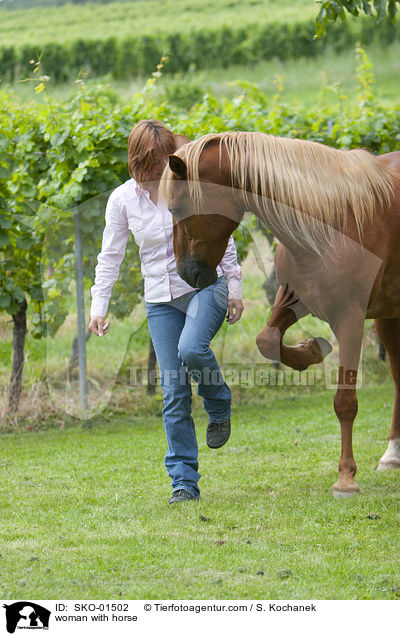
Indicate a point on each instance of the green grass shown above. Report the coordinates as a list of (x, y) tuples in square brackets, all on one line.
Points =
[(305, 81), (85, 515), (84, 504), (13, 5), (52, 24)]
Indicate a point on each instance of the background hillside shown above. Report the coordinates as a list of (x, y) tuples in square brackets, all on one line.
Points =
[(29, 4), (127, 40)]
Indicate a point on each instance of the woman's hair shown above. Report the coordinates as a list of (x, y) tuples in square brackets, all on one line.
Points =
[(148, 140)]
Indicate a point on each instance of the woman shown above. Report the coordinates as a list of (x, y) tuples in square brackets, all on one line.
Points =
[(182, 320)]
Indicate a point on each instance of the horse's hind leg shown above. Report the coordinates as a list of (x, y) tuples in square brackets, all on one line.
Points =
[(389, 333), (287, 310)]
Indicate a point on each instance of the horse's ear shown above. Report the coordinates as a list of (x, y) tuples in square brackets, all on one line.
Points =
[(178, 166), (180, 140)]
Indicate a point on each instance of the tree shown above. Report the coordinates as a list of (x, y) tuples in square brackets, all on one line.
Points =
[(331, 10), (22, 165)]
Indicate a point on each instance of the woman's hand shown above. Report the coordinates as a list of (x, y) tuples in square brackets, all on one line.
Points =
[(98, 326), (235, 310)]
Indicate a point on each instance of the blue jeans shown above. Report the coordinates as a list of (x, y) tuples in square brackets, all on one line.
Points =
[(182, 330)]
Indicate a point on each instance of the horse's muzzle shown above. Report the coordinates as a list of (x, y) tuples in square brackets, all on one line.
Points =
[(196, 273)]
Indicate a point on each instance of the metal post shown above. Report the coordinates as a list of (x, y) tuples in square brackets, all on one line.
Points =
[(81, 312)]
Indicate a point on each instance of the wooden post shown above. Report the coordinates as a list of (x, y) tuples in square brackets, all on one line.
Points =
[(81, 312)]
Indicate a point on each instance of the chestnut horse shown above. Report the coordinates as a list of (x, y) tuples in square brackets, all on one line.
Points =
[(336, 214)]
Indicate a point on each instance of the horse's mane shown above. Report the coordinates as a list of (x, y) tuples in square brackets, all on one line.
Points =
[(305, 188)]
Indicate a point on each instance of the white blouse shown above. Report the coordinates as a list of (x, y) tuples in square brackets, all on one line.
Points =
[(130, 209)]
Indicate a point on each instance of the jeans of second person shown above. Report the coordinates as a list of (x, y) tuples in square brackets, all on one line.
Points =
[(181, 331)]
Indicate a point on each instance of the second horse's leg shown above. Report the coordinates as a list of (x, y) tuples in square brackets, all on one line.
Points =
[(389, 333), (287, 310)]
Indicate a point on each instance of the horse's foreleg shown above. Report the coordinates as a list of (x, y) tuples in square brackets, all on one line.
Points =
[(349, 333), (389, 334), (287, 310)]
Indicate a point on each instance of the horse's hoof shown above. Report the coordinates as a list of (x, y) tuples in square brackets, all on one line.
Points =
[(341, 494), (388, 465), (391, 458), (345, 488)]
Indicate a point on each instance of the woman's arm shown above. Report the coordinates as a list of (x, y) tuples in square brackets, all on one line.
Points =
[(115, 238), (232, 271), (233, 274)]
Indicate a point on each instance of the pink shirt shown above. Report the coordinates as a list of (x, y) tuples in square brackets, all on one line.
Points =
[(130, 209)]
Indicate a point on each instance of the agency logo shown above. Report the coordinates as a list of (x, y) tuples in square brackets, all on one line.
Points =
[(26, 615)]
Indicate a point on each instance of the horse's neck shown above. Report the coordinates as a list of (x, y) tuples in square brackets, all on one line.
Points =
[(279, 233)]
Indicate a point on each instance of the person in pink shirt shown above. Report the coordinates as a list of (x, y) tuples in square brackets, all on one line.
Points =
[(182, 320)]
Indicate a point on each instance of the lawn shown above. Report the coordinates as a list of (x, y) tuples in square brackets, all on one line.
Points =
[(85, 515)]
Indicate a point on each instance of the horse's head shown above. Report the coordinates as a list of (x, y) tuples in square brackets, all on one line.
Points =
[(202, 228)]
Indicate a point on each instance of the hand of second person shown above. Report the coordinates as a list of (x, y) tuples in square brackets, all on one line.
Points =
[(235, 310)]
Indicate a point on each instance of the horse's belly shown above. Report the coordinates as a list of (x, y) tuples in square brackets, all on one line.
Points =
[(325, 289), (308, 287), (386, 302)]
